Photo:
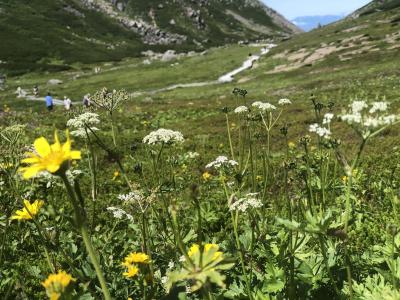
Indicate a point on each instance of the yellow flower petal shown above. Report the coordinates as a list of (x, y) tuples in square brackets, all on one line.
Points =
[(76, 155), (30, 160), (54, 167), (42, 146), (30, 172)]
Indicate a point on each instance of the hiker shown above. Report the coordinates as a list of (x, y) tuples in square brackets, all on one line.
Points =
[(67, 103), (49, 102), (36, 90), (86, 100)]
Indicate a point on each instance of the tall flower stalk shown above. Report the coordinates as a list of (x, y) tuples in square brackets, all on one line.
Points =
[(56, 159)]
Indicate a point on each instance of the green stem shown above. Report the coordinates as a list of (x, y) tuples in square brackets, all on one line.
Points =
[(229, 136), (113, 130), (81, 226)]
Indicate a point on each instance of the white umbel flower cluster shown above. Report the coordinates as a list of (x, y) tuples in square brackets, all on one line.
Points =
[(163, 136), (251, 200), (321, 131), (368, 119), (119, 213), (85, 120), (264, 106), (191, 155), (328, 117), (378, 107), (284, 102), (241, 109), (132, 197), (222, 162)]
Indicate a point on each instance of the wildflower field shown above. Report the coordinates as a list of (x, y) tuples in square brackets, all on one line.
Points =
[(108, 204), (273, 186)]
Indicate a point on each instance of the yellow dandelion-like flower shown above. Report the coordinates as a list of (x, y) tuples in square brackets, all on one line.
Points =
[(56, 284), (344, 179), (29, 210), (131, 272), (136, 258), (258, 178), (291, 145), (206, 176), (48, 157), (115, 175)]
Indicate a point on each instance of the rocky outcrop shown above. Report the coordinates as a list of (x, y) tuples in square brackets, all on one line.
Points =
[(151, 34)]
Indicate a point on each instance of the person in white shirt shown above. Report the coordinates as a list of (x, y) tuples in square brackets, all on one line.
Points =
[(67, 103)]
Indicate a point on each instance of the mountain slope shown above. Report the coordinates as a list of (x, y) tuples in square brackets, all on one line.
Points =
[(53, 34), (376, 6), (367, 39)]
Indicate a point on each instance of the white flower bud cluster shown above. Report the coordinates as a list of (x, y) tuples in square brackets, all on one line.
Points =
[(264, 106), (132, 197), (321, 131), (368, 119), (119, 213), (284, 102), (221, 162), (241, 110), (251, 200), (163, 136), (85, 120)]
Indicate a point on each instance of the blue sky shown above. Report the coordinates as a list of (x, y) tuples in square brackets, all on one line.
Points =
[(296, 8)]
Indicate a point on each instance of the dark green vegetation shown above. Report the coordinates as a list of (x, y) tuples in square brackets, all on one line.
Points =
[(376, 6), (320, 219), (53, 35)]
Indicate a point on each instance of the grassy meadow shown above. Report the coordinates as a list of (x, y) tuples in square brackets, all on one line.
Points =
[(283, 184)]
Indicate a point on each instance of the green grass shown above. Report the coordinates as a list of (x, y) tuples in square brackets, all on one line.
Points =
[(295, 182)]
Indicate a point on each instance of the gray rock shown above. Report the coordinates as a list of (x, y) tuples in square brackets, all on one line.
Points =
[(169, 55), (54, 82)]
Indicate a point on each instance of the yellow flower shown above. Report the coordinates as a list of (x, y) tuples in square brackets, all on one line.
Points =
[(206, 176), (291, 145), (215, 247), (193, 250), (29, 210), (131, 272), (116, 175), (258, 178), (136, 258), (56, 284), (344, 179), (207, 247), (48, 157)]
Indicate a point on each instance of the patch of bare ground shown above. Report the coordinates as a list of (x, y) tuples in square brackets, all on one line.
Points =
[(304, 57)]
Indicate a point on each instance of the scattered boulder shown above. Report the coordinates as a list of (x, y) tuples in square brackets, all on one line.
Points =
[(148, 100), (54, 82), (169, 55)]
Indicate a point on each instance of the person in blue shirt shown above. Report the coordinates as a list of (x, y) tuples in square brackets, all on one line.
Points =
[(49, 102)]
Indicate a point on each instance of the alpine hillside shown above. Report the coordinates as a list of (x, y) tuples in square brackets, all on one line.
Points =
[(52, 35)]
